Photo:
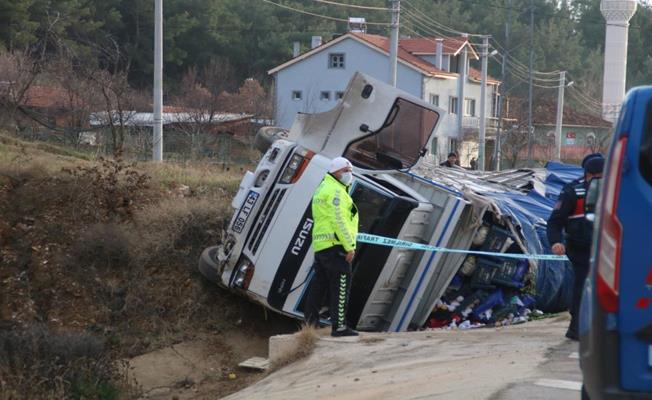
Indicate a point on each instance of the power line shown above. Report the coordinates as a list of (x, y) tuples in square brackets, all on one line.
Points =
[(432, 26), (352, 5), (437, 24), (318, 15), (524, 67)]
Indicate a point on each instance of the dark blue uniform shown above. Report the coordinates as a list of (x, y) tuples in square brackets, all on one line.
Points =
[(568, 225)]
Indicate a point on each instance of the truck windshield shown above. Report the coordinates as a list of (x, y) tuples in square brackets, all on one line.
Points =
[(398, 144)]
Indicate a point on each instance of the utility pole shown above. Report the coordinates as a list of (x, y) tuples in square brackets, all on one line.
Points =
[(502, 88), (560, 113), (530, 127), (157, 141), (484, 55), (393, 44), (460, 87)]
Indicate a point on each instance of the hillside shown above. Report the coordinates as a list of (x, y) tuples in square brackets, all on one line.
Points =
[(98, 265)]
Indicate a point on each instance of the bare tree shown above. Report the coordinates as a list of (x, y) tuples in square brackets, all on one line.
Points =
[(202, 99), (18, 72), (514, 142)]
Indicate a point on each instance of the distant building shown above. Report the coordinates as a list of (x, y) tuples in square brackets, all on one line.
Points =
[(428, 69)]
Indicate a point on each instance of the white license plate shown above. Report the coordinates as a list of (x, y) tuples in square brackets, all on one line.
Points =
[(245, 211)]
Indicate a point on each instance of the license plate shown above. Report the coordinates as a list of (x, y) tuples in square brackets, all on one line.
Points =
[(245, 211)]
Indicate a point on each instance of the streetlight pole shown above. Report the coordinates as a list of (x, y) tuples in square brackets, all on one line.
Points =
[(530, 127), (393, 45), (502, 87), (158, 81), (484, 54), (461, 76), (560, 113)]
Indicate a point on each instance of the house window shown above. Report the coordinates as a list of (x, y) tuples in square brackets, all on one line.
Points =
[(325, 96), (339, 95), (453, 65), (469, 107), (297, 95), (452, 105), (434, 99), (336, 60)]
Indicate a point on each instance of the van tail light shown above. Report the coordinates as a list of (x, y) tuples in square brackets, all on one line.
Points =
[(296, 166), (611, 233)]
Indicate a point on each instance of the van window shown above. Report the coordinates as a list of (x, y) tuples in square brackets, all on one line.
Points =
[(645, 157), (400, 141)]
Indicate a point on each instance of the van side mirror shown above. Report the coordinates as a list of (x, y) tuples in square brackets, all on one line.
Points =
[(591, 199)]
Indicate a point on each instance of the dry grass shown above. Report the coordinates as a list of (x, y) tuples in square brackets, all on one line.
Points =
[(305, 341), (201, 177)]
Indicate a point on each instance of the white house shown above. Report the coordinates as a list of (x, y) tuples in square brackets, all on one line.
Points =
[(427, 68)]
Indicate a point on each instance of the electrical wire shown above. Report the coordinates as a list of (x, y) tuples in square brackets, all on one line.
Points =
[(500, 48), (586, 98), (431, 26), (592, 110), (441, 26), (319, 15), (353, 5)]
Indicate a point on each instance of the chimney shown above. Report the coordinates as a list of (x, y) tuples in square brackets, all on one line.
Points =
[(296, 49), (439, 53), (316, 42)]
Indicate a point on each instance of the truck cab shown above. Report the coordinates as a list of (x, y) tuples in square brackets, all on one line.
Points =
[(266, 254)]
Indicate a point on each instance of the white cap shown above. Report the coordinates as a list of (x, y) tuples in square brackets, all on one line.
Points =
[(338, 163)]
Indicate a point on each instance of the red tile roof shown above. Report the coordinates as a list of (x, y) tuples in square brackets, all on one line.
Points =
[(405, 53), (382, 43), (427, 45)]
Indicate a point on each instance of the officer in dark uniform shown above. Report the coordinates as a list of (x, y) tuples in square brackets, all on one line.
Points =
[(568, 217)]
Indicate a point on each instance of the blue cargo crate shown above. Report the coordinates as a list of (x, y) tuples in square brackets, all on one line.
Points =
[(484, 273), (511, 273), (496, 239)]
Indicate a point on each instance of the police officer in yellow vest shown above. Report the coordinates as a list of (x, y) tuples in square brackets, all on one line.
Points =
[(333, 239)]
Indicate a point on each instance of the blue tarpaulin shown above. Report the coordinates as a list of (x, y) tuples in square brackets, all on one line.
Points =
[(529, 212)]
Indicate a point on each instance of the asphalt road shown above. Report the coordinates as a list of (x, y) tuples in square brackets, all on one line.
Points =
[(528, 361)]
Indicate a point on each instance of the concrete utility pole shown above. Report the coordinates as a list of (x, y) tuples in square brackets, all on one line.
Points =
[(460, 87), (560, 113), (530, 127), (484, 54), (502, 88), (393, 44), (158, 81)]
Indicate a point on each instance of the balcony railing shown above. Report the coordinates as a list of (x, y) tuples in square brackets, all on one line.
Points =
[(492, 123)]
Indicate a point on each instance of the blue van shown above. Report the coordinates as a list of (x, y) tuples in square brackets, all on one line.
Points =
[(616, 312)]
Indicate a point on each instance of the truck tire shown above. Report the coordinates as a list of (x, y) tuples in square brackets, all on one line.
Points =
[(268, 135), (208, 264)]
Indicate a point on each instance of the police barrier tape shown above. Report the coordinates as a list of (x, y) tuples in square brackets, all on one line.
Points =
[(385, 241)]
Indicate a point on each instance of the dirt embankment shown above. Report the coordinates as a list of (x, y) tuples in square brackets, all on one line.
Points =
[(98, 264)]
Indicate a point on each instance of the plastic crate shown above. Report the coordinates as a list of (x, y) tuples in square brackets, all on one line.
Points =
[(511, 273), (484, 273), (496, 239)]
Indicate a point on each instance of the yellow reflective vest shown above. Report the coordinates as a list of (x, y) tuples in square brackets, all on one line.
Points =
[(335, 216)]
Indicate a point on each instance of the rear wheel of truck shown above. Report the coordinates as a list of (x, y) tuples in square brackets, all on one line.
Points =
[(208, 264), (268, 135)]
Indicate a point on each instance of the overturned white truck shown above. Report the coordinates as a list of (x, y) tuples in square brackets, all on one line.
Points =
[(266, 252)]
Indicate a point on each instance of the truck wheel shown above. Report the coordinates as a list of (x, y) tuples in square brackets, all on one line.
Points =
[(208, 264), (268, 135)]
